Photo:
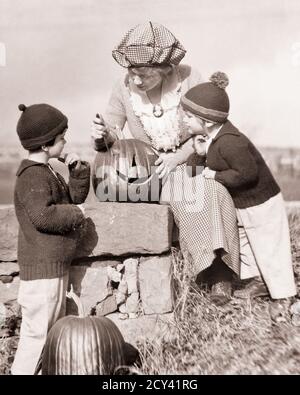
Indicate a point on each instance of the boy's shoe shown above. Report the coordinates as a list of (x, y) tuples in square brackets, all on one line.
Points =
[(253, 289), (221, 293), (279, 310)]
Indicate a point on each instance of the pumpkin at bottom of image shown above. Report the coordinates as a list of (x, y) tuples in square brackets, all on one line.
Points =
[(78, 345)]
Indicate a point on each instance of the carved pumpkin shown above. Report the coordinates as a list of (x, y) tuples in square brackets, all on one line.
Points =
[(126, 173), (84, 346)]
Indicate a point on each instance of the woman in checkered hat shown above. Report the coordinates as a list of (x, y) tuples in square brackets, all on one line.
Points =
[(147, 98)]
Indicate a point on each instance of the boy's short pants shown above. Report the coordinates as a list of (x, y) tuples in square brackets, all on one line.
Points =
[(43, 302)]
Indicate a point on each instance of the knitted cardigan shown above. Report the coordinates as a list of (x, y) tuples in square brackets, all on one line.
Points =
[(120, 111), (239, 167), (49, 220)]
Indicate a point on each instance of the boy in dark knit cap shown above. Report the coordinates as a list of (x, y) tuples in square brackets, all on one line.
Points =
[(50, 217), (229, 157)]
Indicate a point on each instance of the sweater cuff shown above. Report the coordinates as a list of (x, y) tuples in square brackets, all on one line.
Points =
[(82, 172), (218, 176), (79, 218), (196, 160)]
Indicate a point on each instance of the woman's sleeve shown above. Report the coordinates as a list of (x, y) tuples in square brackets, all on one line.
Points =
[(186, 150), (114, 116), (189, 77), (195, 78)]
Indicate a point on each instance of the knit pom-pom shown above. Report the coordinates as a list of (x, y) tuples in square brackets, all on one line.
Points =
[(22, 107), (219, 79)]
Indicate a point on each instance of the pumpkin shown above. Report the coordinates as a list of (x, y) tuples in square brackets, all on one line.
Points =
[(125, 172), (78, 345)]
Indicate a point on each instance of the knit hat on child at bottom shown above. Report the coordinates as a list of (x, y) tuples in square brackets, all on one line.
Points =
[(209, 100), (39, 124)]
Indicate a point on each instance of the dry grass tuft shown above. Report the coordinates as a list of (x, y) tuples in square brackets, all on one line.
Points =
[(8, 348)]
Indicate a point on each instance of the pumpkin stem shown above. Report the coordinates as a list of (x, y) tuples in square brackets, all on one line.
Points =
[(72, 295)]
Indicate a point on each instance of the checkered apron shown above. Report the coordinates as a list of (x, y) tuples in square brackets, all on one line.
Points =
[(205, 216)]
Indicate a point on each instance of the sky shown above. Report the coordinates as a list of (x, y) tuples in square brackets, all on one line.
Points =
[(59, 52)]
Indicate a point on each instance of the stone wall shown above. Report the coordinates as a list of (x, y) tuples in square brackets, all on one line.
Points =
[(123, 264)]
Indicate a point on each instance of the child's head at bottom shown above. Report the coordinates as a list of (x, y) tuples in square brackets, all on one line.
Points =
[(206, 105), (41, 128)]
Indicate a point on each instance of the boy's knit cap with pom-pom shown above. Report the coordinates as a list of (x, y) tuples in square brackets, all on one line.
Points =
[(39, 124), (209, 100)]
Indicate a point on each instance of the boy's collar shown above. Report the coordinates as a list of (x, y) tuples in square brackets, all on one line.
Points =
[(26, 163), (227, 128), (213, 134)]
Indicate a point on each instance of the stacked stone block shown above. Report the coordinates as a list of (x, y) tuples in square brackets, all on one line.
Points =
[(123, 262)]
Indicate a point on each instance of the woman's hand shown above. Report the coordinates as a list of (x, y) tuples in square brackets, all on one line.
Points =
[(166, 162), (199, 142), (98, 128)]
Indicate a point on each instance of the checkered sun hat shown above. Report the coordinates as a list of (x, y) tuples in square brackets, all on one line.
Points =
[(149, 44)]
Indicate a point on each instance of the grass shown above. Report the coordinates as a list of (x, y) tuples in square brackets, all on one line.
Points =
[(238, 338), (289, 185)]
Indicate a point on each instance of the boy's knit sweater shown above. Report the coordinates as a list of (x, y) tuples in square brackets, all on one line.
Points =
[(49, 218), (239, 167)]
